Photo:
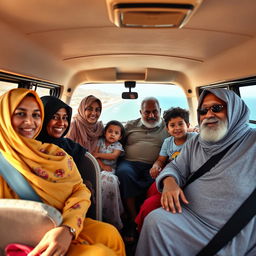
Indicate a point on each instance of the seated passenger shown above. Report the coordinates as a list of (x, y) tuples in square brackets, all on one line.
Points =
[(177, 124), (53, 175), (85, 128), (107, 151), (215, 196), (143, 139), (57, 118)]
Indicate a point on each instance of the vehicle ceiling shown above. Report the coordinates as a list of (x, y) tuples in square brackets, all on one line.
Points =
[(76, 38)]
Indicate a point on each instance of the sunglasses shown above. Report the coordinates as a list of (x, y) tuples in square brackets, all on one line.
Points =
[(215, 109)]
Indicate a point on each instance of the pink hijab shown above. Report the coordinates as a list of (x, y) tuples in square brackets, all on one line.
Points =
[(81, 131)]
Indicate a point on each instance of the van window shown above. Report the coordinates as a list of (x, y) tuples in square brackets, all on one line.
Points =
[(114, 107), (6, 86), (248, 94), (41, 90)]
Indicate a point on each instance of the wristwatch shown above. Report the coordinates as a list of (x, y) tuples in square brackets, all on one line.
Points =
[(71, 230)]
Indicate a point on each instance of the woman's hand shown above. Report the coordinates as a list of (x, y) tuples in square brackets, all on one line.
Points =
[(54, 243), (171, 196)]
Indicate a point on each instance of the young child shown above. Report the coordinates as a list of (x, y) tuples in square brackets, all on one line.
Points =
[(177, 124), (107, 152)]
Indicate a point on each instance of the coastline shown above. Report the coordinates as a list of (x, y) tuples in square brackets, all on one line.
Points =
[(107, 102), (110, 103)]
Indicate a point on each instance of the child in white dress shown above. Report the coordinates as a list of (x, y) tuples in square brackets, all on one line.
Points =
[(107, 152)]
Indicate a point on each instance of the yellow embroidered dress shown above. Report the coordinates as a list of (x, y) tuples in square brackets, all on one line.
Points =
[(54, 176)]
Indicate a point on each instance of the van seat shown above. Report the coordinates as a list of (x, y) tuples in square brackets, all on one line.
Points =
[(25, 222)]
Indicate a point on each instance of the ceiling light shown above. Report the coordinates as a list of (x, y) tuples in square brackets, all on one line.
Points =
[(151, 14)]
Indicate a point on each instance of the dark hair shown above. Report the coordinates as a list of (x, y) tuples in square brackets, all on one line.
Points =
[(117, 123), (30, 95), (176, 112)]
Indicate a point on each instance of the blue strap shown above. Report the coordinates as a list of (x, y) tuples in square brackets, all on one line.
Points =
[(17, 181)]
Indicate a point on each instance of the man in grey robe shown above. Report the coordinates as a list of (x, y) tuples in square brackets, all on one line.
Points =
[(191, 217)]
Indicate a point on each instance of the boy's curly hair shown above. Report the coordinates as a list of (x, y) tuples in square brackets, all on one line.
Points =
[(176, 112)]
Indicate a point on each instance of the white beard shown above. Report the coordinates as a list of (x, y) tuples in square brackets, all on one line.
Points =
[(213, 134), (151, 125)]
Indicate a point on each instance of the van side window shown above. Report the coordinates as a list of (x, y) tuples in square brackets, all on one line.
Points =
[(6, 86), (249, 96)]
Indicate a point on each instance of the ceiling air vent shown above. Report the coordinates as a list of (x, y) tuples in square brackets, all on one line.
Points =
[(151, 14)]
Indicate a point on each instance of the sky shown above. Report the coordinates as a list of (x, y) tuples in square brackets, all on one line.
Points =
[(151, 89)]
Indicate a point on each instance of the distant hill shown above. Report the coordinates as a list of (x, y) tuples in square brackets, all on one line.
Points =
[(107, 98)]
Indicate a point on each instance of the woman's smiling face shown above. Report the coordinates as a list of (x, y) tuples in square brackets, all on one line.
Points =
[(26, 118), (58, 123), (92, 113)]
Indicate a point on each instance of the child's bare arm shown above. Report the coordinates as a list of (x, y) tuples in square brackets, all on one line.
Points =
[(108, 156), (158, 166)]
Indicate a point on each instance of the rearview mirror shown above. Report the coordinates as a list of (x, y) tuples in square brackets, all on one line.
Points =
[(130, 95)]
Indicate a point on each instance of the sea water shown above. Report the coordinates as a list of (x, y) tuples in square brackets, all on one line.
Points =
[(130, 109)]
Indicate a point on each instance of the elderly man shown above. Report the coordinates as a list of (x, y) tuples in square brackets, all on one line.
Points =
[(144, 138), (207, 203)]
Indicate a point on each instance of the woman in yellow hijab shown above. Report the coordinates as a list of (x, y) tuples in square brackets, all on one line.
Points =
[(53, 175)]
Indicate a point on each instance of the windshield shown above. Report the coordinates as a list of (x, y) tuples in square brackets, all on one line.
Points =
[(114, 107)]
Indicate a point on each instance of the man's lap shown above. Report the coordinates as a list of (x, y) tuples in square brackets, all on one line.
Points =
[(134, 178)]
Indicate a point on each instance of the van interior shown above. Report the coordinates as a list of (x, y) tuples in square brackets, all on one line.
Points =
[(189, 43)]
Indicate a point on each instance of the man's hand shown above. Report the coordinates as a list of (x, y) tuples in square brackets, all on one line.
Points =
[(194, 129), (171, 196)]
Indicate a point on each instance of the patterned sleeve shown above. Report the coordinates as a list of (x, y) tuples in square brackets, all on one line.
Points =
[(76, 207), (118, 146)]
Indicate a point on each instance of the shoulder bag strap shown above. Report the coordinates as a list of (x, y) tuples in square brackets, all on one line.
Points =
[(17, 181), (233, 226), (208, 165)]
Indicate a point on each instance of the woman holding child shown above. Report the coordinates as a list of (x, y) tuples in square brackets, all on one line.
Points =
[(86, 130), (53, 175)]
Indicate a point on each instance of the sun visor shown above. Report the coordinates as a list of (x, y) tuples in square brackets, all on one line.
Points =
[(159, 75)]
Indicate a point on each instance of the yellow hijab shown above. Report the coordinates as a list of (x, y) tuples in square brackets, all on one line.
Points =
[(48, 168)]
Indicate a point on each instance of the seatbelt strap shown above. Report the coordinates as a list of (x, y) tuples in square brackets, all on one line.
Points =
[(208, 165), (17, 181), (233, 226)]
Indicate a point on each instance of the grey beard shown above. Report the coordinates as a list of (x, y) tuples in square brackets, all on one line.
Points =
[(149, 125), (213, 134)]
